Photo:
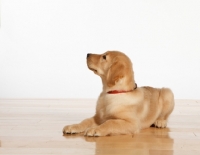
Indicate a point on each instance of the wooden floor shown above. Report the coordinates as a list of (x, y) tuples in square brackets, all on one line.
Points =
[(31, 127)]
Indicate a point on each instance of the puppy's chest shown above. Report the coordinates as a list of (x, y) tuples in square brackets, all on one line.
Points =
[(105, 113), (107, 109)]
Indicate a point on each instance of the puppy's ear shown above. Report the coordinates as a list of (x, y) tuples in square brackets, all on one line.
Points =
[(115, 73)]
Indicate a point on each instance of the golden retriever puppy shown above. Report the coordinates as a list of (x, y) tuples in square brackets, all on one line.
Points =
[(122, 108)]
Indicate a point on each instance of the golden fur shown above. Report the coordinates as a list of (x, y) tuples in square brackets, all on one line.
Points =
[(123, 113)]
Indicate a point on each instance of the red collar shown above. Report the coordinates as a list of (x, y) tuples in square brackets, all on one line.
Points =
[(121, 91), (118, 91)]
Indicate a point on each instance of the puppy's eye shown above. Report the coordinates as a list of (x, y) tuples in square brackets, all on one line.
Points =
[(104, 57)]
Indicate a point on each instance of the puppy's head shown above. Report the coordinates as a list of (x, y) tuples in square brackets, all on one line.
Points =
[(112, 67)]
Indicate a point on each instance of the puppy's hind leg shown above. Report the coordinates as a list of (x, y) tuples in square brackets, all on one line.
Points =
[(166, 99)]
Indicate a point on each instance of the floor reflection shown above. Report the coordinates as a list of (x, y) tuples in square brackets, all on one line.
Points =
[(152, 141)]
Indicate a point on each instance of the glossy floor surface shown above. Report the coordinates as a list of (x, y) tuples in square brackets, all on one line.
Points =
[(31, 127)]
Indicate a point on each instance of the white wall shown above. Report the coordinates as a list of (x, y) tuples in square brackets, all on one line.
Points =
[(44, 44)]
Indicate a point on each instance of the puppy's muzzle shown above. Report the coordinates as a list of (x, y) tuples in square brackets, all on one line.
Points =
[(88, 55)]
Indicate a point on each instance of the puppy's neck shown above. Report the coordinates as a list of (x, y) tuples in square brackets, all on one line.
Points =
[(123, 84)]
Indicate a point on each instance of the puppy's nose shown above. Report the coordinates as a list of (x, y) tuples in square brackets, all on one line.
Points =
[(88, 55)]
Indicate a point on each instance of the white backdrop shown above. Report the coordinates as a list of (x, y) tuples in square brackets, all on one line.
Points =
[(44, 44)]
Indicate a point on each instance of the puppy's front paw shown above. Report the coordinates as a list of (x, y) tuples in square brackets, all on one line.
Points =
[(71, 129), (94, 132), (160, 123)]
